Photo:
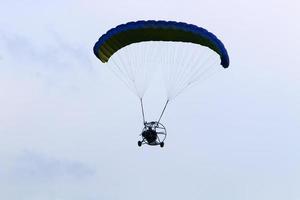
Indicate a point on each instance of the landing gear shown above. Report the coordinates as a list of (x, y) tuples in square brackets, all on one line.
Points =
[(162, 144), (139, 143)]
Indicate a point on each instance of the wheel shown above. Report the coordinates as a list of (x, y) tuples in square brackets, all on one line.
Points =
[(139, 143), (162, 144)]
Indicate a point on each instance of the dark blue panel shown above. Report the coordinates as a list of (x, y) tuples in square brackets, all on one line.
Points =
[(201, 32)]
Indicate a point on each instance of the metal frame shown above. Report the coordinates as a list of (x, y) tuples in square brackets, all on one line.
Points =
[(161, 133)]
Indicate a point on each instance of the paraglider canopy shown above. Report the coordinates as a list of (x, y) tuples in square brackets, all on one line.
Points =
[(140, 31)]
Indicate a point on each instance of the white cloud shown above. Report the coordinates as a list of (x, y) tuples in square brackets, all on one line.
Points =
[(34, 167), (32, 175)]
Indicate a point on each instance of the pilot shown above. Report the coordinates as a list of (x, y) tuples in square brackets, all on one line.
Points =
[(150, 135)]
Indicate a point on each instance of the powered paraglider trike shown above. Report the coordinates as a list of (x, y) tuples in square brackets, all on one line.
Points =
[(183, 53)]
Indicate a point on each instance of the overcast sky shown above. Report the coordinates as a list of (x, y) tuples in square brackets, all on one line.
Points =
[(69, 127)]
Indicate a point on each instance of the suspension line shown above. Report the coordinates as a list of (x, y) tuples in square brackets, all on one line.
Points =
[(163, 111), (142, 106)]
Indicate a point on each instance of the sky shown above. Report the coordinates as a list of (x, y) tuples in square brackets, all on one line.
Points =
[(69, 127)]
